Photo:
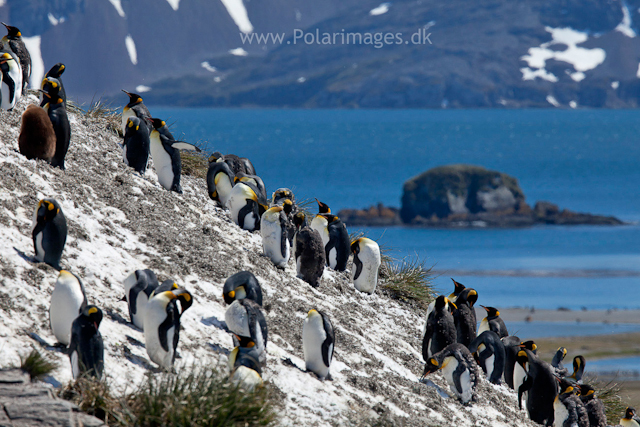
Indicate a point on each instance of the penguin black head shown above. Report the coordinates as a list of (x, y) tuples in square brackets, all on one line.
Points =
[(56, 71), (287, 206), (181, 294), (323, 208), (431, 366), (587, 392), (491, 311), (158, 123), (5, 57), (529, 345), (47, 210), (214, 157), (441, 301), (133, 123), (12, 32), (51, 87), (468, 295), (299, 220), (134, 98), (459, 287), (355, 246), (94, 314), (330, 218), (522, 358), (578, 367), (629, 413), (567, 387)]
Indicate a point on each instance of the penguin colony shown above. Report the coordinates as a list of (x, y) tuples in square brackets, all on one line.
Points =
[(451, 343)]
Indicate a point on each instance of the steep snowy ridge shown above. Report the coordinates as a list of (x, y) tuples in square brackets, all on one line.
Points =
[(120, 221)]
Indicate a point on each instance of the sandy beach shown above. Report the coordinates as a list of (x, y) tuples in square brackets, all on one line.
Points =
[(535, 315)]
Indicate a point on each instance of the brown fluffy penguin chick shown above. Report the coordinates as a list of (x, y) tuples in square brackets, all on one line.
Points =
[(37, 138)]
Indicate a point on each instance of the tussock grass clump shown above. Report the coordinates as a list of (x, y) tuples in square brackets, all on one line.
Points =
[(93, 396), (409, 281), (99, 109), (37, 365), (194, 164)]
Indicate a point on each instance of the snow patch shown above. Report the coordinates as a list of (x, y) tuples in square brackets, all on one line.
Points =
[(142, 88), (131, 48), (238, 13), (217, 79), (2, 2), (238, 52), (174, 4), (118, 6), (208, 67), (573, 104), (37, 64), (382, 9), (616, 85), (55, 21), (638, 72), (301, 79), (553, 101), (578, 76), (624, 27), (582, 59)]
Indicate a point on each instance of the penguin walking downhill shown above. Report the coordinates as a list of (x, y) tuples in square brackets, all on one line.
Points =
[(493, 322), (366, 263), (458, 368), (245, 319), (136, 108), (308, 251), (138, 287), (629, 418), (15, 43), (86, 349), (49, 232), (465, 316), (568, 409), (440, 330), (245, 207), (58, 115), (165, 152), (318, 341), (162, 326), (68, 299), (273, 229), (220, 182), (240, 286), (56, 73), (245, 367), (135, 149), (11, 84), (541, 387), (491, 355), (595, 407), (37, 139)]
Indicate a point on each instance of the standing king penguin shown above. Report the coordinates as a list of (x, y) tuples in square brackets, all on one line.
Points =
[(541, 387), (273, 229), (11, 81), (162, 326), (568, 409), (318, 340), (440, 330), (138, 287), (68, 299), (335, 238), (493, 322), (240, 286), (135, 149), (491, 355), (465, 316), (136, 108), (86, 350), (165, 152), (245, 206), (56, 73), (595, 407), (58, 115), (308, 251), (14, 40), (458, 368), (49, 232), (366, 263), (245, 319)]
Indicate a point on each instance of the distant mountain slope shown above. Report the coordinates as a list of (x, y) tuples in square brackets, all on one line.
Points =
[(497, 53)]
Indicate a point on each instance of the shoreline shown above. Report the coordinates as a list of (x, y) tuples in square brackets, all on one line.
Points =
[(611, 316)]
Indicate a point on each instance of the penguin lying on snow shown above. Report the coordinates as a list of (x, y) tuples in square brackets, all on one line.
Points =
[(49, 232), (138, 287), (245, 367), (245, 207), (493, 322), (491, 355), (595, 407), (240, 286), (318, 340), (220, 182), (245, 319), (366, 263), (11, 81), (162, 325), (59, 120), (68, 299), (308, 251), (458, 368), (440, 330), (136, 146), (86, 350), (37, 139), (273, 229), (568, 409)]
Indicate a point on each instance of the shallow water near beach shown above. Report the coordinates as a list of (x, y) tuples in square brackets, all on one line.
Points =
[(583, 160)]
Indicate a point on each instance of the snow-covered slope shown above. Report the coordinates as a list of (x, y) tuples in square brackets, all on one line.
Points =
[(119, 222)]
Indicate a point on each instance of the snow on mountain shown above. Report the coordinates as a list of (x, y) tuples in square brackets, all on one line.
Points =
[(131, 49), (174, 4), (380, 10), (238, 13), (117, 4), (37, 64), (120, 221)]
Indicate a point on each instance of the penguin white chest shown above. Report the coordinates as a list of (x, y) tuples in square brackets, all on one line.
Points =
[(320, 225), (313, 336), (162, 163), (272, 238), (223, 187), (246, 378), (369, 257), (141, 308), (450, 365), (560, 413), (489, 365), (154, 316), (519, 375), (39, 247), (126, 113), (66, 300), (484, 326)]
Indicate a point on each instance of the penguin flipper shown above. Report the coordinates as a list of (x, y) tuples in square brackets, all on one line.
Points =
[(358, 264), (526, 385), (328, 344), (181, 145)]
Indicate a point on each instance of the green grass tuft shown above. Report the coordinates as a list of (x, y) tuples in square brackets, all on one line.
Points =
[(409, 281), (37, 365), (99, 109), (194, 164), (93, 396)]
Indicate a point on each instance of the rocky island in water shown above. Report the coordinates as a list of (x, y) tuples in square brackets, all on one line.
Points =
[(468, 196)]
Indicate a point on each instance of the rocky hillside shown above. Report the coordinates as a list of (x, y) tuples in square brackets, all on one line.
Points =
[(120, 221), (498, 53)]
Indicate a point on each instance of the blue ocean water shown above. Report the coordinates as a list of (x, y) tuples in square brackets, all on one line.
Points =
[(584, 160)]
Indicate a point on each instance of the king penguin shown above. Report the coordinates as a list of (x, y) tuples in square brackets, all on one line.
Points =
[(541, 387), (595, 407), (49, 232), (273, 229), (162, 326), (439, 330), (37, 139), (68, 299), (458, 288), (245, 367), (56, 73), (165, 152), (257, 182), (245, 206), (135, 149), (318, 340), (11, 87), (14, 40), (240, 286), (136, 108), (220, 182), (568, 409), (237, 164), (465, 316), (366, 263), (578, 369), (458, 368), (308, 251), (511, 349), (556, 362), (493, 322), (335, 238), (629, 418), (491, 355), (86, 349), (58, 115), (138, 287), (245, 319)]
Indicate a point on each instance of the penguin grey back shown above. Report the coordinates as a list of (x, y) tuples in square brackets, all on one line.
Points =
[(49, 232), (136, 145)]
